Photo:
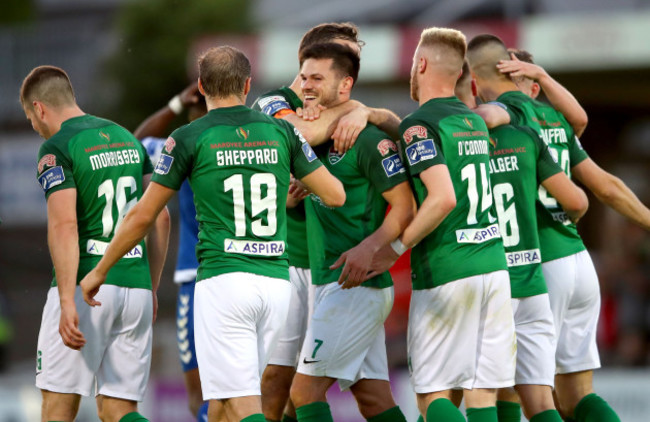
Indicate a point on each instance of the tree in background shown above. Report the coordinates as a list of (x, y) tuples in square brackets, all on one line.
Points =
[(154, 36)]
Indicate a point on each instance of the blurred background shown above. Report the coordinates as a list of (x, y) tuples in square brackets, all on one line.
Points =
[(127, 58)]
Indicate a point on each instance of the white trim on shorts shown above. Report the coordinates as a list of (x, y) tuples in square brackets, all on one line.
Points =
[(574, 293)]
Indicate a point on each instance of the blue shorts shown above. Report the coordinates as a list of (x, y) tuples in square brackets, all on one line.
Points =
[(185, 326)]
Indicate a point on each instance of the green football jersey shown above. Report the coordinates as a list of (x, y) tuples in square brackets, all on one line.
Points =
[(238, 163), (278, 103), (519, 162), (105, 163), (443, 131), (558, 235), (369, 168)]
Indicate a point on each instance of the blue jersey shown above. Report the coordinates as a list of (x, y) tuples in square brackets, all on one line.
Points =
[(186, 261)]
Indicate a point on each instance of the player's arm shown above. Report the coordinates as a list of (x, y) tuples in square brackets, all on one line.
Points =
[(327, 187), (612, 191), (137, 223), (358, 259), (157, 242), (63, 241), (559, 97), (350, 125), (319, 128), (440, 201), (493, 115), (158, 123), (572, 199)]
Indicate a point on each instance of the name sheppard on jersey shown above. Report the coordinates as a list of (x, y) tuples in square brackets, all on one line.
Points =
[(238, 157), (114, 158)]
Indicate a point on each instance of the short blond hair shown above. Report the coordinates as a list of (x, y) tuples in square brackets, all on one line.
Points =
[(223, 71), (48, 84), (449, 45)]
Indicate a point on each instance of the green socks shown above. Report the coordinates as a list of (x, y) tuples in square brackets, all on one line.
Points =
[(133, 417), (443, 410), (315, 412), (592, 408), (391, 415), (482, 414), (508, 411), (287, 418), (257, 417), (550, 415)]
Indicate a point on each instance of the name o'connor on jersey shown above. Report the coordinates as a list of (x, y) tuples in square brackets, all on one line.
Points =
[(238, 157), (473, 147), (114, 158)]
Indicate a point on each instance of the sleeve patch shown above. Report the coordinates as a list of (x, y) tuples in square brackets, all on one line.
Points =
[(421, 151), (299, 135), (392, 165), (48, 160), (52, 177), (170, 144), (264, 101), (386, 146), (578, 143), (164, 164), (154, 147), (276, 106), (498, 104), (419, 131), (309, 153)]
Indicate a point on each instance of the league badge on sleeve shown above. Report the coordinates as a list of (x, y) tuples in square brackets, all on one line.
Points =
[(421, 151), (164, 164), (52, 177), (392, 165), (309, 152), (273, 104)]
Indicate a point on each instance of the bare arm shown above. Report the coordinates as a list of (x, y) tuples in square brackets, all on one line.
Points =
[(157, 242), (572, 199), (612, 191), (358, 260), (327, 187), (157, 124), (559, 97), (350, 125), (320, 130), (493, 115), (133, 229), (63, 241)]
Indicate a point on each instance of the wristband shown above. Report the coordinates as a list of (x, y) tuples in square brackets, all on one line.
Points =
[(175, 105), (398, 247)]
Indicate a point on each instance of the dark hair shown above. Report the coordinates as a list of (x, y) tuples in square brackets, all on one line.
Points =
[(522, 55), (49, 84), (223, 71), (344, 60), (327, 32), (483, 39)]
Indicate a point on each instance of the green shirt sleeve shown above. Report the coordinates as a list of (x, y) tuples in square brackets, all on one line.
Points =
[(54, 167), (420, 146), (147, 166), (379, 160), (546, 165), (175, 162), (303, 157), (577, 154)]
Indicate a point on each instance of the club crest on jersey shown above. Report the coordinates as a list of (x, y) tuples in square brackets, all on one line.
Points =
[(493, 142), (48, 160), (105, 136), (333, 156), (386, 146), (170, 143), (419, 131), (242, 133)]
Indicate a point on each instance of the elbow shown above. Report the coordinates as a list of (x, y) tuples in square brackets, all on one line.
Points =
[(581, 124), (448, 204), (336, 198)]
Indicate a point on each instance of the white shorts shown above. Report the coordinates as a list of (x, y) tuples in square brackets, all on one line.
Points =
[(300, 310), (535, 340), (117, 355), (462, 335), (575, 301), (346, 339), (237, 321)]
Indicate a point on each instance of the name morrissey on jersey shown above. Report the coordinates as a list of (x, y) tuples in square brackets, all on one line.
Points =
[(114, 158)]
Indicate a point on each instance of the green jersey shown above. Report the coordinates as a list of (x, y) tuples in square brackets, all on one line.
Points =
[(105, 164), (279, 103), (238, 162), (558, 235), (369, 168), (519, 162), (443, 131)]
